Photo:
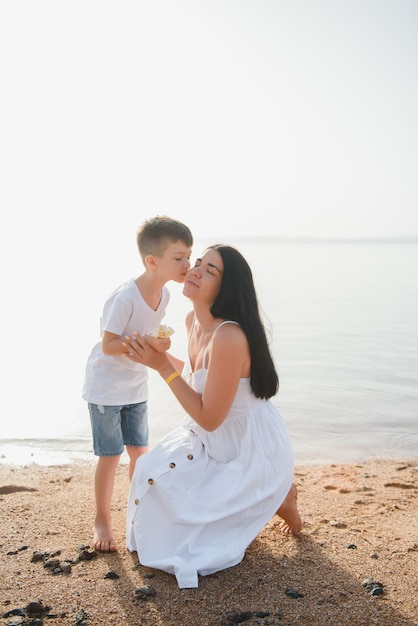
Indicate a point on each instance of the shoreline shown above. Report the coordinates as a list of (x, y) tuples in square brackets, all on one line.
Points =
[(21, 452), (360, 522)]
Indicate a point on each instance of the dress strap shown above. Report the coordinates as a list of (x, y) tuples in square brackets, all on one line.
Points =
[(211, 339)]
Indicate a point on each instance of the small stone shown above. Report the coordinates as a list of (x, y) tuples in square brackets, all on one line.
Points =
[(112, 575), (336, 524), (52, 563), (13, 552), (373, 587), (293, 593), (377, 591), (87, 554), (65, 568), (80, 618), (144, 593), (36, 609), (238, 618), (14, 612)]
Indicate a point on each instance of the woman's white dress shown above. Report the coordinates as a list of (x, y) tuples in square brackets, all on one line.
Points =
[(198, 499)]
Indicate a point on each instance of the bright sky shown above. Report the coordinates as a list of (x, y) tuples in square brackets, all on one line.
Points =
[(240, 117)]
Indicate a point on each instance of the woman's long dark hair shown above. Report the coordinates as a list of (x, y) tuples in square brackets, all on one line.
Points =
[(237, 301)]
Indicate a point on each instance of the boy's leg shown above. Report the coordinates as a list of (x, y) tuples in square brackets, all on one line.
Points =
[(108, 446), (134, 453), (135, 432), (104, 480)]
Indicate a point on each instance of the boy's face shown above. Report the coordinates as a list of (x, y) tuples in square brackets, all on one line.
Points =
[(175, 262)]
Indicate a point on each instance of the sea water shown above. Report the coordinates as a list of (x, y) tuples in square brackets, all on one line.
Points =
[(342, 320)]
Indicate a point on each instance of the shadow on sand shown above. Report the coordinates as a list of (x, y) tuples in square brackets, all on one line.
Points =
[(254, 592)]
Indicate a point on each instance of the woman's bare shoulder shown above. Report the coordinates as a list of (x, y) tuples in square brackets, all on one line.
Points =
[(230, 332), (230, 351)]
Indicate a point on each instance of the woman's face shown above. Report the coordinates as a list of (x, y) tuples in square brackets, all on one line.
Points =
[(203, 281)]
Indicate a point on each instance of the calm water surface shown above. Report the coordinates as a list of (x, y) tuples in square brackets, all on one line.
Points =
[(343, 323)]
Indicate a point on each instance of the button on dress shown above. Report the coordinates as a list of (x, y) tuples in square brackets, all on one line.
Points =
[(198, 498)]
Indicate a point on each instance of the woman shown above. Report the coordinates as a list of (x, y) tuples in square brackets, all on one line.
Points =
[(201, 496)]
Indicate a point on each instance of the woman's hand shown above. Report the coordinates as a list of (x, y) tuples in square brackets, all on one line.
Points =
[(140, 351)]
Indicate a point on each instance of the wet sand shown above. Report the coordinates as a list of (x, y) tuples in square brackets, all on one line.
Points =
[(360, 524)]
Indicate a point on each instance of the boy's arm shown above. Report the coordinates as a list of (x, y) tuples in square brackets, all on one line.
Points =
[(112, 344)]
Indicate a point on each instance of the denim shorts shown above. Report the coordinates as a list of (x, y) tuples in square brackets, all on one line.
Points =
[(114, 427)]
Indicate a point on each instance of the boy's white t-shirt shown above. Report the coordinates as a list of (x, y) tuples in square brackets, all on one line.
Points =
[(116, 380)]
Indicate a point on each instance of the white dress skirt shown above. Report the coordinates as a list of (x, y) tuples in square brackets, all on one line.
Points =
[(198, 499)]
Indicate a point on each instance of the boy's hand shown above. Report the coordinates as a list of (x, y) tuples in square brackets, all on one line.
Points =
[(162, 331), (159, 338), (161, 344), (139, 350)]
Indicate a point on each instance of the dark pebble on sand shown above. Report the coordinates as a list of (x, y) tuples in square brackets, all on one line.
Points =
[(13, 552), (40, 555), (372, 587), (86, 554), (293, 593), (80, 618), (35, 611), (52, 563), (144, 593), (238, 618), (12, 612), (377, 591)]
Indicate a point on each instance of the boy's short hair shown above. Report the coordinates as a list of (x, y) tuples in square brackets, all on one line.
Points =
[(154, 235)]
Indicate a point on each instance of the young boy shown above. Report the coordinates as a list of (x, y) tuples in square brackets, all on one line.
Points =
[(115, 388)]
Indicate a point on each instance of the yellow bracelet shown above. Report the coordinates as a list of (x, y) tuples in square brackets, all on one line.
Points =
[(171, 377)]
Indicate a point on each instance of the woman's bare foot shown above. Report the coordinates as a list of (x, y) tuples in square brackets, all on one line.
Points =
[(291, 523), (103, 540)]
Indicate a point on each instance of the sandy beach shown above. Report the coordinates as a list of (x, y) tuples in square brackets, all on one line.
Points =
[(355, 564)]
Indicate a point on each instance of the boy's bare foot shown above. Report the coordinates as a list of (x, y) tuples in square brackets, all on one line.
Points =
[(291, 523), (103, 540)]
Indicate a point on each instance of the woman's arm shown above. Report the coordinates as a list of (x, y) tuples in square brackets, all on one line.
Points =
[(178, 364), (228, 361)]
